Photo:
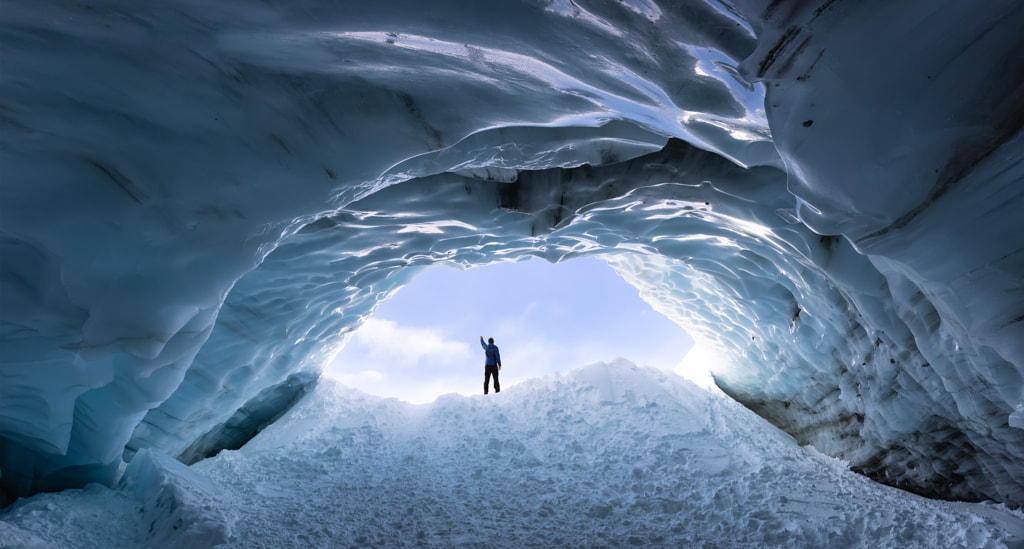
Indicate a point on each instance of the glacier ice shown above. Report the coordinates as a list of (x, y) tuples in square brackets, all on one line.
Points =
[(200, 201)]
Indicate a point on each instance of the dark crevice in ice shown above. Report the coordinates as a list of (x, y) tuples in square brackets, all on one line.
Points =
[(247, 422)]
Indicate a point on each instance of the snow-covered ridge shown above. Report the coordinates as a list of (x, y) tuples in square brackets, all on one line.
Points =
[(200, 200)]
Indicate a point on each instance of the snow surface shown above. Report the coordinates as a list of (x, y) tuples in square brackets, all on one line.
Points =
[(609, 455)]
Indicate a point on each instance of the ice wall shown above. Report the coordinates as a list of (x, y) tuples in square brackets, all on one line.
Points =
[(200, 200)]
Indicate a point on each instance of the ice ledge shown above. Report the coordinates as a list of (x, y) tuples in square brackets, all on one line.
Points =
[(1016, 419), (182, 507)]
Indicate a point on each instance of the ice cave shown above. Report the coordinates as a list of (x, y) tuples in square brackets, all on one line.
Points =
[(202, 200)]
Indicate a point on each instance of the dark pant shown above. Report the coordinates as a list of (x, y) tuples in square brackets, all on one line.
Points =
[(491, 370)]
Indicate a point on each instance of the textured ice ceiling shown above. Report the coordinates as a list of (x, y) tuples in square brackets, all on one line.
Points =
[(198, 200)]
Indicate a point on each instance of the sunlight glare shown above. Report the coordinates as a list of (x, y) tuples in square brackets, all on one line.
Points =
[(697, 364)]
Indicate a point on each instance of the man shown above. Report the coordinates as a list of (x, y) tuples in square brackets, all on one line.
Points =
[(492, 364)]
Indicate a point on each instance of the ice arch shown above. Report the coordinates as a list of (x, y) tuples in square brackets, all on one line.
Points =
[(199, 199)]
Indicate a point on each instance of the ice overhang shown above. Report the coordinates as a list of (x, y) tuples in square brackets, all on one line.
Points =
[(199, 202)]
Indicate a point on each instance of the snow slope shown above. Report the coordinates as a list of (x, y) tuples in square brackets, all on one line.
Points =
[(610, 455)]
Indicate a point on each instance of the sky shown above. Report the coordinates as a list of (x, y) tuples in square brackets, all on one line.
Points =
[(425, 341)]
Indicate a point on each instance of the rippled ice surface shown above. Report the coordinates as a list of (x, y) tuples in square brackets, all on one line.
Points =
[(609, 455), (202, 199)]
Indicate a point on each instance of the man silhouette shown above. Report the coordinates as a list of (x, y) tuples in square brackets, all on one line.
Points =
[(492, 363)]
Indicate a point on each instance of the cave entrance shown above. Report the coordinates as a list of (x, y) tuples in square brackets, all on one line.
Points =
[(545, 318)]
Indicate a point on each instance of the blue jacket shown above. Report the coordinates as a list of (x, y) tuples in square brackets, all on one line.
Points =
[(491, 350)]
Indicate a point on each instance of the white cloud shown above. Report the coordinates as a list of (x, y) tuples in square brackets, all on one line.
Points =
[(368, 381), (379, 343), (388, 359), (423, 391), (364, 378)]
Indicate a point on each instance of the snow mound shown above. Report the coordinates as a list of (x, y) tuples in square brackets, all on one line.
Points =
[(608, 455), (159, 503)]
